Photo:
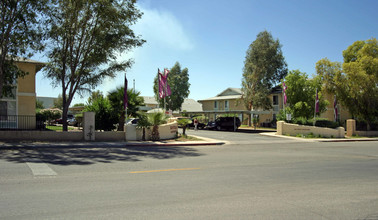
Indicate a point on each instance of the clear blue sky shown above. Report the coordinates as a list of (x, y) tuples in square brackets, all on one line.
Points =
[(211, 37)]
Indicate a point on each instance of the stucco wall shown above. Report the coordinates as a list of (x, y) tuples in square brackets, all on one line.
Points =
[(284, 128), (166, 131), (26, 90), (110, 136), (27, 83), (41, 135)]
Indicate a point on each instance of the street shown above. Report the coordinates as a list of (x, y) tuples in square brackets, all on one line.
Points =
[(250, 177)]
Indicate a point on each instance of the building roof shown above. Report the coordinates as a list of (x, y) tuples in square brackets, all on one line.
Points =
[(229, 93), (25, 60), (236, 93), (149, 100), (189, 105)]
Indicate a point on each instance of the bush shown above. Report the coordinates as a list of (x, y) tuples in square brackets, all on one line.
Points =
[(48, 114)]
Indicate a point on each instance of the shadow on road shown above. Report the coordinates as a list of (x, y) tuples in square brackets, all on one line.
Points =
[(87, 156)]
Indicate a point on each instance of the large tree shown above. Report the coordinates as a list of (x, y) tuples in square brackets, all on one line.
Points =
[(301, 93), (264, 67), (20, 34), (100, 105), (356, 83), (178, 80), (116, 101), (86, 36)]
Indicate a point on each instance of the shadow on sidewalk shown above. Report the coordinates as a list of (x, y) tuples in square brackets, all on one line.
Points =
[(88, 156)]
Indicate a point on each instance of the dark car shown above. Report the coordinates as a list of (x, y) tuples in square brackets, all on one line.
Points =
[(230, 123), (199, 126), (60, 120)]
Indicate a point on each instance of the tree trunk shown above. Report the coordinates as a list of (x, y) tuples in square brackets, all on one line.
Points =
[(155, 133), (183, 130), (121, 122), (144, 134), (64, 118)]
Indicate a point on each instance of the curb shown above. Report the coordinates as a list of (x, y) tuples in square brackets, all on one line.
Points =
[(320, 139), (80, 145)]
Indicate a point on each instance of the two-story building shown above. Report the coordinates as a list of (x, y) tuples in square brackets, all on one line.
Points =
[(230, 101), (18, 111)]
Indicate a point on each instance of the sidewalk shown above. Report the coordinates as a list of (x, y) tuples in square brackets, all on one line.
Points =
[(273, 134), (163, 143)]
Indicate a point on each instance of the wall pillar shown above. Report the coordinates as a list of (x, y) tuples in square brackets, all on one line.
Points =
[(280, 125), (89, 126), (351, 127)]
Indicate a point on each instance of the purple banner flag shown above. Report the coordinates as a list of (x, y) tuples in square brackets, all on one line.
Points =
[(317, 102), (336, 110), (284, 90), (125, 98)]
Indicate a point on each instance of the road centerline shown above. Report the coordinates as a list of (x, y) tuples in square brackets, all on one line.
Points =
[(165, 170)]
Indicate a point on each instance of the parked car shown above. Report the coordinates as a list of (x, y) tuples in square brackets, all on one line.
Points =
[(224, 123), (132, 121), (60, 120), (72, 122)]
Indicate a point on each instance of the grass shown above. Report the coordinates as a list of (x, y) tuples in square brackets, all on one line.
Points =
[(187, 138), (57, 128)]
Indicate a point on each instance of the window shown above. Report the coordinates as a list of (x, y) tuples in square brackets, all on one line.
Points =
[(215, 104), (3, 108), (226, 104), (275, 100)]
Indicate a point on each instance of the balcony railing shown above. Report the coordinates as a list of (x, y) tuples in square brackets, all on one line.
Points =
[(21, 122)]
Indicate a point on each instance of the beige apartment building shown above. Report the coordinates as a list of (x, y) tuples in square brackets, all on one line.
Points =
[(230, 101), (18, 111)]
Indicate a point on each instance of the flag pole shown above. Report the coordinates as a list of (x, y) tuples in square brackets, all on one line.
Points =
[(165, 92)]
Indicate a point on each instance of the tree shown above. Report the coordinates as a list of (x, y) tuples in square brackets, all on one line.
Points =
[(143, 123), (356, 83), (100, 105), (58, 102), (178, 80), (301, 92), (116, 101), (39, 104), (20, 34), (183, 122), (50, 114), (78, 104), (155, 120), (86, 37), (264, 67)]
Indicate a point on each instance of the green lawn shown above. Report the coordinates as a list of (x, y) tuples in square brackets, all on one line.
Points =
[(57, 128)]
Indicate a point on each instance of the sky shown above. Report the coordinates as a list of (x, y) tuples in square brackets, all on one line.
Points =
[(211, 37)]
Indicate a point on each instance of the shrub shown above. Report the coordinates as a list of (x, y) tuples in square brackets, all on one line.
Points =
[(49, 114)]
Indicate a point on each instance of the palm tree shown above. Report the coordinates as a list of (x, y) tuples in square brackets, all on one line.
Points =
[(156, 119), (183, 122), (143, 123), (116, 101)]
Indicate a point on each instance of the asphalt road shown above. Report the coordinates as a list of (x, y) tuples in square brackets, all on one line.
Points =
[(252, 177)]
